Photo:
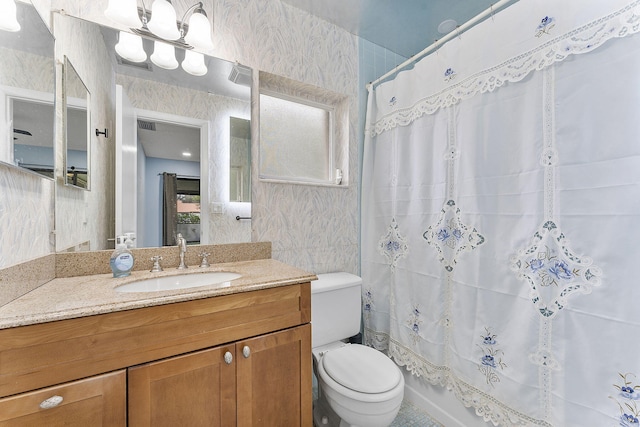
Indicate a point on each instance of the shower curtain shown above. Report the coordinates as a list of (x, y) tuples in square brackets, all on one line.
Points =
[(501, 215)]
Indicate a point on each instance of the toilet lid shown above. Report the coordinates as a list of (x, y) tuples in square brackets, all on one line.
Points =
[(361, 369)]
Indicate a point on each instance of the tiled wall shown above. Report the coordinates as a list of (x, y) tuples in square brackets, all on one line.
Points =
[(375, 61)]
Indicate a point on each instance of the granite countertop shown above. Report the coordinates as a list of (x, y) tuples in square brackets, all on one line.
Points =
[(71, 297)]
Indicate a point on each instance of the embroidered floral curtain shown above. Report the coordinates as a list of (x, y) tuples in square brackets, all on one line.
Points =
[(501, 216)]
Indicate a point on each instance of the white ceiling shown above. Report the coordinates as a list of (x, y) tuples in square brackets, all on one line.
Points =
[(170, 141), (404, 27)]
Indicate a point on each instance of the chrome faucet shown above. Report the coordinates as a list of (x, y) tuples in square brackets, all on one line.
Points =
[(182, 245)]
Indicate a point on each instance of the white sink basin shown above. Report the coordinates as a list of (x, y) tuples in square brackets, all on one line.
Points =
[(183, 281)]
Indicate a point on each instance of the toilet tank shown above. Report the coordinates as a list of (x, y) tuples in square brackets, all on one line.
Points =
[(335, 307)]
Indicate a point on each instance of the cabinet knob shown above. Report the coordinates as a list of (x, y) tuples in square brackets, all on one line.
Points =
[(246, 351), (51, 402), (228, 358)]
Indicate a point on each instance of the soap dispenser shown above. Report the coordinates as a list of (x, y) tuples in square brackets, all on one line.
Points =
[(121, 259)]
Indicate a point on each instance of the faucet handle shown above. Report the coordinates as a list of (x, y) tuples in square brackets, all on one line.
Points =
[(156, 264), (205, 262)]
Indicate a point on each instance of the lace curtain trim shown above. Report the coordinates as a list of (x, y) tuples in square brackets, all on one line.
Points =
[(583, 39), (485, 405)]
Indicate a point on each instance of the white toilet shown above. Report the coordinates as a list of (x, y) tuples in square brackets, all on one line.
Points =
[(357, 385)]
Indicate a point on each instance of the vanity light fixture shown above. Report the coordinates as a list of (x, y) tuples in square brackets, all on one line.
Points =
[(124, 12), (199, 34), (163, 23), (164, 55), (193, 63), (8, 17), (186, 154), (129, 47), (163, 20)]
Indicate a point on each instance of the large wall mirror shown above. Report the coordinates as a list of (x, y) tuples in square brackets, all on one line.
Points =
[(169, 122), (27, 87)]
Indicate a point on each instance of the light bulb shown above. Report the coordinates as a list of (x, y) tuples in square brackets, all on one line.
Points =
[(8, 17), (164, 56), (130, 47), (163, 22), (199, 34), (124, 12), (193, 63)]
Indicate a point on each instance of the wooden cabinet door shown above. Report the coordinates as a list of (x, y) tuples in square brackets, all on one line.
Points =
[(197, 389), (274, 379), (96, 401)]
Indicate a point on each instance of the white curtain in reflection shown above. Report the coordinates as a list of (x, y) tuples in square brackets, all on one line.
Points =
[(500, 213)]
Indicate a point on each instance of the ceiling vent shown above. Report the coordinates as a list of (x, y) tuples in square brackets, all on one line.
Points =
[(146, 125), (240, 75)]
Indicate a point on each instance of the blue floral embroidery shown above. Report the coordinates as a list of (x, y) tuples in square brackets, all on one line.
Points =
[(491, 359), (488, 338), (414, 323), (546, 24), (451, 237), (449, 74), (488, 360), (560, 270), (629, 412), (367, 304), (393, 245), (367, 299), (627, 420), (550, 269), (393, 101), (553, 271), (443, 234)]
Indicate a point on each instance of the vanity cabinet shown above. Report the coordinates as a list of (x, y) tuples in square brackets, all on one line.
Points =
[(250, 383), (169, 360)]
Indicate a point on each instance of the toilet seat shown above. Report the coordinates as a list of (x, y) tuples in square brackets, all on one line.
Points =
[(361, 369)]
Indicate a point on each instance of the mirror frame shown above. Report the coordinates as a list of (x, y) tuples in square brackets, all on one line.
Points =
[(66, 104)]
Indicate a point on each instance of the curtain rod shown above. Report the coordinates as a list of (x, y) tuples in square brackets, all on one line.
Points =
[(454, 33)]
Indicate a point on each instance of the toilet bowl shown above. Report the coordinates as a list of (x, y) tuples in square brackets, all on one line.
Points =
[(357, 385), (361, 385)]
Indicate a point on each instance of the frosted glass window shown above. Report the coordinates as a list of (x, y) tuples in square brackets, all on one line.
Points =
[(295, 140)]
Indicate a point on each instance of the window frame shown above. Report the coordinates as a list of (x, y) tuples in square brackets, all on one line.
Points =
[(329, 143)]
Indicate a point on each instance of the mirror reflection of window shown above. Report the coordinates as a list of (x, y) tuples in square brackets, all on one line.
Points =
[(76, 128), (188, 209)]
